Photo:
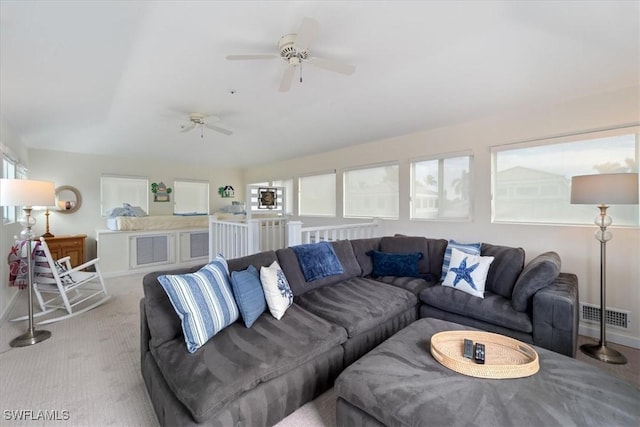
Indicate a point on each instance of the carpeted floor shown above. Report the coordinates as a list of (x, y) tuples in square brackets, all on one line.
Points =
[(88, 372)]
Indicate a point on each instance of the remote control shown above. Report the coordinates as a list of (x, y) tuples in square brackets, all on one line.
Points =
[(479, 353), (468, 349)]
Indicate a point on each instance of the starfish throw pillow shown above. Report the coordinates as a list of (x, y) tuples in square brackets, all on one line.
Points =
[(468, 273)]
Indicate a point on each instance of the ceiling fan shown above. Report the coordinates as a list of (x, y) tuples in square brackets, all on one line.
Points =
[(294, 49), (198, 120)]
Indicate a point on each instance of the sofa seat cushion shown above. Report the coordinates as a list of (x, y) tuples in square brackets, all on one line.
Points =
[(238, 359), (493, 308), (357, 304), (411, 284)]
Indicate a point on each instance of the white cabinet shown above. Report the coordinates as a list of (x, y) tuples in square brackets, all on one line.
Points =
[(126, 252)]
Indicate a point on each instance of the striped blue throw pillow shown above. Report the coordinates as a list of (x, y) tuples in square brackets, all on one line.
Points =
[(247, 289), (203, 301), (467, 248)]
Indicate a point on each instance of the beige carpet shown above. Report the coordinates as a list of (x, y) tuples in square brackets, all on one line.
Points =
[(88, 372)]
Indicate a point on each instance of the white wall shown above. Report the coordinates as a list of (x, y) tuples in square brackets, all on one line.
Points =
[(575, 244), (84, 171)]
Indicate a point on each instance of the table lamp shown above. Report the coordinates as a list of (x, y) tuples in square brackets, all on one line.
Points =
[(603, 190), (27, 193)]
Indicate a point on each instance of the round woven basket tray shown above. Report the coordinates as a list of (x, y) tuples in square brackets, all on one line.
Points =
[(504, 357)]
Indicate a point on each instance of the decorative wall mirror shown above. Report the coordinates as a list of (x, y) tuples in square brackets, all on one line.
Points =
[(68, 199)]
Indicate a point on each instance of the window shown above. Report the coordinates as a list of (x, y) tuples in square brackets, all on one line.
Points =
[(317, 195), (372, 192), (288, 185), (116, 190), (441, 188), (190, 197), (532, 182), (11, 170)]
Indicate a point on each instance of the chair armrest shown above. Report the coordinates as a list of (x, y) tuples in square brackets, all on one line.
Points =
[(66, 260), (555, 315), (86, 264)]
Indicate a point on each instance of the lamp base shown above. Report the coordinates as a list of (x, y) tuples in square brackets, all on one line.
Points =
[(30, 338), (603, 353)]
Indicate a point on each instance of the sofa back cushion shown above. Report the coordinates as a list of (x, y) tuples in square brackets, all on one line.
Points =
[(288, 261), (430, 266), (164, 323), (360, 249), (260, 259), (539, 273), (505, 268), (203, 300)]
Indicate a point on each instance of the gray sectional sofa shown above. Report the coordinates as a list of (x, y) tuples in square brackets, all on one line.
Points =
[(258, 375)]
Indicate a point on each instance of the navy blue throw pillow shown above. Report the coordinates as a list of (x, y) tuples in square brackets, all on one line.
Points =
[(395, 264), (317, 260)]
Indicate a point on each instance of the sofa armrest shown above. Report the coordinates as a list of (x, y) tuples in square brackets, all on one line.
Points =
[(145, 335), (555, 315)]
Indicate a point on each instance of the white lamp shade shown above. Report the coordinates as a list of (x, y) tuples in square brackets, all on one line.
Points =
[(26, 192), (605, 189)]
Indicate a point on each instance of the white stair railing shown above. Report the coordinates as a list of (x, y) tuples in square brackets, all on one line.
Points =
[(298, 235), (229, 238), (234, 239)]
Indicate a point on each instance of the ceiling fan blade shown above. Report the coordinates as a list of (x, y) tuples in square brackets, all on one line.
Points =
[(187, 127), (331, 65), (287, 78), (256, 56), (219, 129), (307, 33)]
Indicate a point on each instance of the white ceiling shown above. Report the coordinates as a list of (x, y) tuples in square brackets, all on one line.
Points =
[(119, 78)]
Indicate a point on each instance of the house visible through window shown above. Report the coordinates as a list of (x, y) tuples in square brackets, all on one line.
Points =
[(441, 188), (372, 192), (532, 183)]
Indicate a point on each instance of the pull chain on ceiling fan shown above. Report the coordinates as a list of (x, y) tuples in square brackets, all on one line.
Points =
[(294, 49), (197, 119)]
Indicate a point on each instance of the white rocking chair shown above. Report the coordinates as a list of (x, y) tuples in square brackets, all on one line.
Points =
[(74, 291)]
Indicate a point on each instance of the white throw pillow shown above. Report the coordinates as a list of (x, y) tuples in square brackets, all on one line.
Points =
[(468, 272), (276, 289)]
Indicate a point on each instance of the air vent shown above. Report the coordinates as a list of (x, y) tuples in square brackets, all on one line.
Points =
[(590, 313)]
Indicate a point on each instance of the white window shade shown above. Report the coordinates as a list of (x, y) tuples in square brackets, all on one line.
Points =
[(441, 188), (372, 192), (116, 190), (191, 197), (532, 182), (317, 195)]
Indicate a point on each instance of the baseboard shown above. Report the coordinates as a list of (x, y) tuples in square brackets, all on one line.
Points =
[(612, 335)]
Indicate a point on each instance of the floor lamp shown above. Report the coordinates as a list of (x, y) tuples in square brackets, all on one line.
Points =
[(603, 190), (27, 193)]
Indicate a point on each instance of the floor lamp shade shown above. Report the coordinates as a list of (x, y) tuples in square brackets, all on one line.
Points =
[(26, 192), (603, 190)]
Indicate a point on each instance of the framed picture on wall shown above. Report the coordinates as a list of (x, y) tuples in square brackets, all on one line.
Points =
[(267, 198)]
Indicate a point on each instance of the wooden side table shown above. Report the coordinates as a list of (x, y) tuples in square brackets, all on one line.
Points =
[(71, 246)]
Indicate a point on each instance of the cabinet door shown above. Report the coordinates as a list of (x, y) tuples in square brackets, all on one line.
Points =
[(73, 247), (75, 251)]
